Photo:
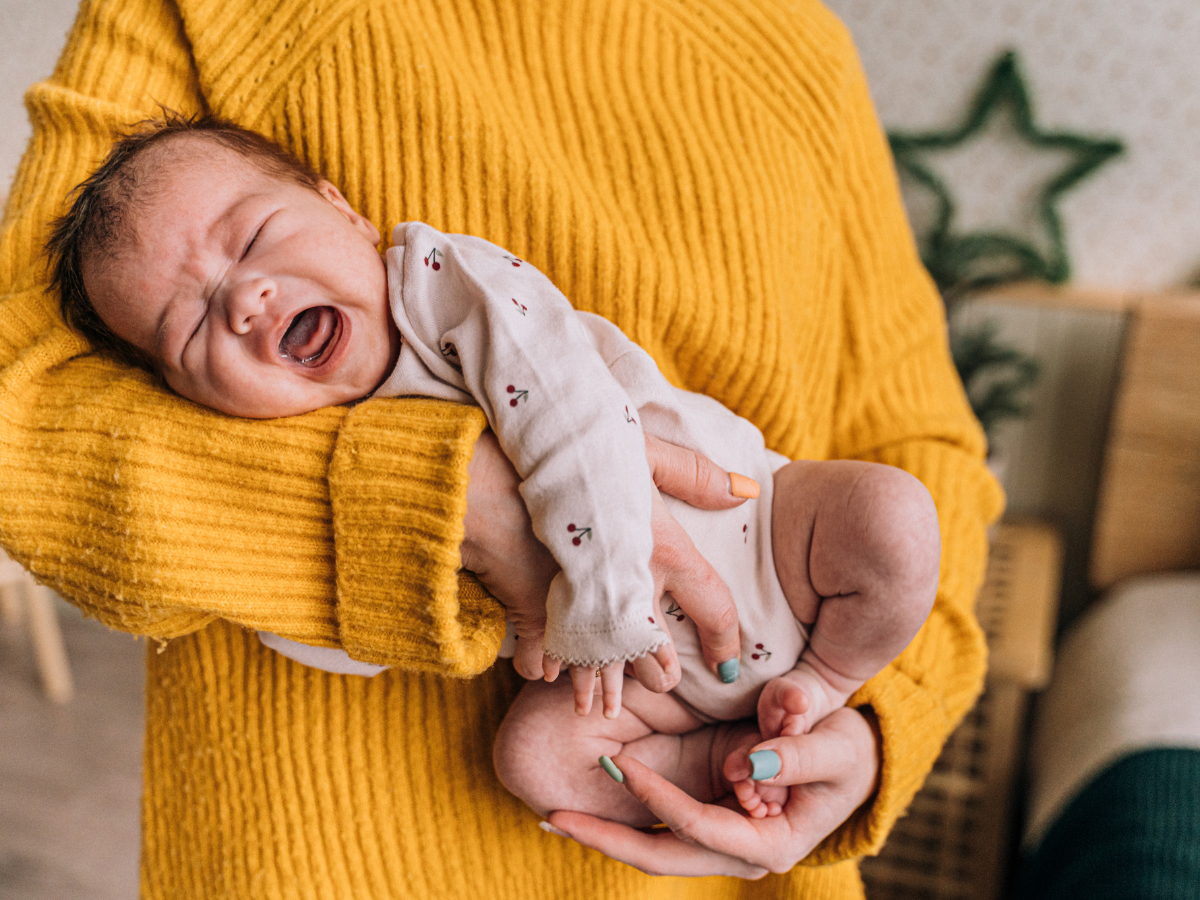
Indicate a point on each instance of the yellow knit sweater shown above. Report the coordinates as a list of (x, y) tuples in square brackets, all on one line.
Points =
[(706, 173)]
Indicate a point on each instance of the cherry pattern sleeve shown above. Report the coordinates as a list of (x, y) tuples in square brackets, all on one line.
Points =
[(484, 327)]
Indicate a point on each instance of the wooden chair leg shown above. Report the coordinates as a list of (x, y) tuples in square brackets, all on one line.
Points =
[(48, 644)]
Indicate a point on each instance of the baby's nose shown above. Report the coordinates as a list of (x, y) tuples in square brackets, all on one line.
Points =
[(248, 300)]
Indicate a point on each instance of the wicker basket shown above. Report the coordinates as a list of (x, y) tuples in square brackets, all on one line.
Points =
[(954, 842)]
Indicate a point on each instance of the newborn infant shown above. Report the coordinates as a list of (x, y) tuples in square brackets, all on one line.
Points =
[(252, 287)]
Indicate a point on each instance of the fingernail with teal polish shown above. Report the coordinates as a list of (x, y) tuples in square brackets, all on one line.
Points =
[(611, 768), (764, 764), (729, 670)]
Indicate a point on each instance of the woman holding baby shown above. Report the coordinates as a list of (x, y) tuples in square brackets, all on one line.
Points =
[(715, 184)]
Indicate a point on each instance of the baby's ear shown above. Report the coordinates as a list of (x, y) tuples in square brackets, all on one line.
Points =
[(364, 225)]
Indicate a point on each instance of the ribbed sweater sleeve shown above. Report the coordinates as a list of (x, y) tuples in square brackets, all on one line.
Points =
[(900, 403), (155, 515)]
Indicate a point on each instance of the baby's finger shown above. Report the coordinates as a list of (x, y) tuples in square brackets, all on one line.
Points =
[(694, 478), (583, 683), (668, 661), (651, 675), (550, 668), (527, 657), (612, 679)]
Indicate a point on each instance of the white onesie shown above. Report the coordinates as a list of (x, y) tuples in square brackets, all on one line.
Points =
[(567, 395)]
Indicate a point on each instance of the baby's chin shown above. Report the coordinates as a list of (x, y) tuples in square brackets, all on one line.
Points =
[(295, 400), (296, 405)]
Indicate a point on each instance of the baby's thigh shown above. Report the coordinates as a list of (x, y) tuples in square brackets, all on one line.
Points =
[(543, 746), (845, 526)]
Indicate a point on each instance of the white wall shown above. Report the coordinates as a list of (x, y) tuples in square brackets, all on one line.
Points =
[(32, 32)]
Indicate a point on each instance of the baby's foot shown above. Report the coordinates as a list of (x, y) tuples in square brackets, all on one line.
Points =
[(760, 800), (738, 766), (788, 706), (784, 707), (796, 701)]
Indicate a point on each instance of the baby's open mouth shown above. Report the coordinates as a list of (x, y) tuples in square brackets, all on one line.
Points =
[(309, 337)]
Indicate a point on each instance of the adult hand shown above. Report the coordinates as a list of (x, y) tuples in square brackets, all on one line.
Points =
[(676, 564), (500, 548), (830, 771)]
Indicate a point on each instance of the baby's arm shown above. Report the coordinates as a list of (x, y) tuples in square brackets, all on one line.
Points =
[(480, 324), (857, 550)]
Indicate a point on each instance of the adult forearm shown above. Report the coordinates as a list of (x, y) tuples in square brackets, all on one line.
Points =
[(155, 515)]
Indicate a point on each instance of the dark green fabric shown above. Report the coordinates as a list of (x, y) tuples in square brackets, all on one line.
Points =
[(1132, 834)]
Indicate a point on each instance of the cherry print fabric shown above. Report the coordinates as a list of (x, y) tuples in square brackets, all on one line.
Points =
[(484, 327), (568, 395)]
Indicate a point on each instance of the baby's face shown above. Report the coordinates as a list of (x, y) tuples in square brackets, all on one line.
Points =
[(254, 295)]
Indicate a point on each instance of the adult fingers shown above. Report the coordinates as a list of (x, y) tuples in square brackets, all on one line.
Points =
[(840, 750), (695, 585), (694, 478), (757, 843), (657, 853)]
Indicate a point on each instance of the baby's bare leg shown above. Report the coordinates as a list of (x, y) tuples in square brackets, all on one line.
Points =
[(548, 756), (857, 551)]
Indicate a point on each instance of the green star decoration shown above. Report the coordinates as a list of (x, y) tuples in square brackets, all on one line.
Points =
[(960, 262)]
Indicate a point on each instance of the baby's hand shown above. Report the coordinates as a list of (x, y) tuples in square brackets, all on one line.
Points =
[(658, 671), (530, 662), (583, 685)]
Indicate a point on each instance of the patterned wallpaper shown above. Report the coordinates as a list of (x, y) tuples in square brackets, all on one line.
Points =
[(1119, 68)]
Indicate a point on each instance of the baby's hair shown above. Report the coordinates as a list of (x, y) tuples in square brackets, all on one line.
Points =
[(96, 221)]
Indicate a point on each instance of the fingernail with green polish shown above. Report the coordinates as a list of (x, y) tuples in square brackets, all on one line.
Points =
[(764, 764), (611, 768), (729, 670), (550, 829)]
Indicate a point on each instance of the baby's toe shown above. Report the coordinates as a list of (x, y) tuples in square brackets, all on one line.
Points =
[(747, 796), (794, 725), (794, 699)]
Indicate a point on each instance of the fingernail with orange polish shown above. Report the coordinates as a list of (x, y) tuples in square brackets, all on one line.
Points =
[(741, 486)]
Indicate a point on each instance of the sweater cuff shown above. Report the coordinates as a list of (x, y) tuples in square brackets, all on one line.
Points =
[(899, 709), (398, 488)]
